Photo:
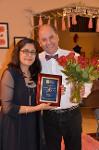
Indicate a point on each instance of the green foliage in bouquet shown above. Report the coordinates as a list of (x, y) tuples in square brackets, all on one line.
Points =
[(78, 70)]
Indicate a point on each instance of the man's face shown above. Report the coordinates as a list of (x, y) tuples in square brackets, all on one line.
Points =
[(48, 39)]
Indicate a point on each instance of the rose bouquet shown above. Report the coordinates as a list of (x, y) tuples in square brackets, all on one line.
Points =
[(78, 70)]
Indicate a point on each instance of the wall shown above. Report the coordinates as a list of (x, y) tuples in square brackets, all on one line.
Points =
[(14, 13), (88, 41)]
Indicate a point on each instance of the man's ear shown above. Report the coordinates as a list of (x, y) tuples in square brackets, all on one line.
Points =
[(57, 37), (38, 41)]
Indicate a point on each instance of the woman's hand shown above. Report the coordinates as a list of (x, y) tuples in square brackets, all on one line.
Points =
[(45, 106)]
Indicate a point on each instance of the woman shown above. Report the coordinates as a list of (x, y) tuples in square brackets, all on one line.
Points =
[(20, 130)]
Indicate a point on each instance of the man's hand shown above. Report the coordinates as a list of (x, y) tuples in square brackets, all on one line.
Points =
[(63, 89)]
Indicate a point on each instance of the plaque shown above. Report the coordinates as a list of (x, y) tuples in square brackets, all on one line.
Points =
[(48, 89)]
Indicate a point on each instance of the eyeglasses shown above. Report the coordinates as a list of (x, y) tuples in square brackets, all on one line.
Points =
[(27, 52)]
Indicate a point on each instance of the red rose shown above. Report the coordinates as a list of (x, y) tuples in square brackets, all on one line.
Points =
[(62, 60)]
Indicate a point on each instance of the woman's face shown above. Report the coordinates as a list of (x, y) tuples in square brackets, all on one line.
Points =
[(27, 55)]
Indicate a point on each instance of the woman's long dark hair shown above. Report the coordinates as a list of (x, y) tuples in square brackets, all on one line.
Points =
[(35, 68)]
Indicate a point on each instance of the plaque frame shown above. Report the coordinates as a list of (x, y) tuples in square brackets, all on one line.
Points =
[(51, 80)]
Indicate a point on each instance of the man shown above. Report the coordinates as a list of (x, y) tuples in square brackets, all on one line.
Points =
[(64, 120)]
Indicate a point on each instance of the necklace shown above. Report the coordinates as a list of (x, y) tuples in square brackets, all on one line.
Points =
[(28, 80)]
